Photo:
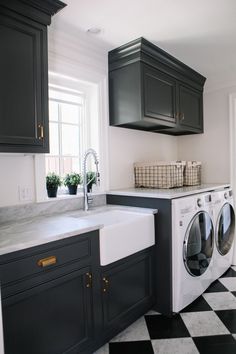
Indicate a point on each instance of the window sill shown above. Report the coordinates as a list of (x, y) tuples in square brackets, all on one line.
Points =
[(69, 196)]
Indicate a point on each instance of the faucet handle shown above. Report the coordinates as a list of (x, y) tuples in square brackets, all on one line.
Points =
[(97, 178), (89, 199)]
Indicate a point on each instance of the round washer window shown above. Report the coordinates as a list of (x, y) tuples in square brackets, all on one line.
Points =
[(198, 244), (225, 229)]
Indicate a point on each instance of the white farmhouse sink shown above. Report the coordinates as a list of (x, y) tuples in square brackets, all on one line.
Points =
[(124, 233)]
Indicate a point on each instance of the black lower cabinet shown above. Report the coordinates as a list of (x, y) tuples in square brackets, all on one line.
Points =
[(127, 291), (57, 299), (52, 318)]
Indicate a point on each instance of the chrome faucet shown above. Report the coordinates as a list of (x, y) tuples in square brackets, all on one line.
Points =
[(88, 199)]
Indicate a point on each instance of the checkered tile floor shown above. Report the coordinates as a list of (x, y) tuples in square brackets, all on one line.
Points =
[(207, 326)]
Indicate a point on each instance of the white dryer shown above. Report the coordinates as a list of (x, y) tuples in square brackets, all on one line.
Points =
[(192, 248), (224, 219)]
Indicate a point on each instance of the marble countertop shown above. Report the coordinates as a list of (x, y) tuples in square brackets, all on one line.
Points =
[(15, 236), (167, 193)]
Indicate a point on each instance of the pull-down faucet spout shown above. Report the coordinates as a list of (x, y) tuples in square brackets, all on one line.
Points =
[(85, 182)]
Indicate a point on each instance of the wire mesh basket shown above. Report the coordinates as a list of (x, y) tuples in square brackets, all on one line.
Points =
[(192, 173), (159, 174)]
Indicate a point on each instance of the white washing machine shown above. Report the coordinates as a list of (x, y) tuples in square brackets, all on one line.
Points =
[(192, 248), (224, 221)]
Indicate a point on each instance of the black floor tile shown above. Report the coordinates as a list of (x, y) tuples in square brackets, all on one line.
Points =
[(229, 273), (228, 317), (224, 344), (233, 292), (216, 287), (161, 327), (199, 304), (142, 347)]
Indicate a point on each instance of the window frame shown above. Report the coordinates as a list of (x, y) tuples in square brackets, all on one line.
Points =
[(83, 137)]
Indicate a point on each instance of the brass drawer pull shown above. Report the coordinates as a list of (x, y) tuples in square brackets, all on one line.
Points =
[(41, 131), (89, 280), (105, 284), (45, 262)]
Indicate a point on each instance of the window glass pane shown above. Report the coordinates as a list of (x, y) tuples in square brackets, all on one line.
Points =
[(54, 139), (76, 165), (69, 165), (52, 164), (69, 113), (53, 111), (70, 140)]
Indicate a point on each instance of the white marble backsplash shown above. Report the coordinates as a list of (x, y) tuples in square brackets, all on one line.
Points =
[(47, 208)]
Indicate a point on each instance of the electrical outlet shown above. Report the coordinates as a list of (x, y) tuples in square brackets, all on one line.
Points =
[(25, 193)]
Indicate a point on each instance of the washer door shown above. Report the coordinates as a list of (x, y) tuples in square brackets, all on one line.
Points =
[(225, 229), (198, 244)]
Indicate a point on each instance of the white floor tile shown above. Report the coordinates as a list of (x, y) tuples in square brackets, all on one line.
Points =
[(234, 335), (229, 283), (205, 323), (234, 267), (174, 346), (103, 350), (137, 331), (221, 300)]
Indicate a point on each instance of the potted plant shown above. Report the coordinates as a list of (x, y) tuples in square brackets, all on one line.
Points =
[(72, 181), (91, 179), (53, 181)]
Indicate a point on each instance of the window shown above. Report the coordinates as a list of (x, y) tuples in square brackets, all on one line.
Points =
[(67, 127)]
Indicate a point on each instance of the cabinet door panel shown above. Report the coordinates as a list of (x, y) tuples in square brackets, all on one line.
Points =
[(159, 95), (23, 62), (190, 108), (50, 319), (128, 286)]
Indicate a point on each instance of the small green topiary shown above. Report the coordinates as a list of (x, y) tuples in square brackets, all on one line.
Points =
[(53, 180), (72, 179)]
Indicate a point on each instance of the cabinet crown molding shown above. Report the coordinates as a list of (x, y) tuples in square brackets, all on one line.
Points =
[(38, 10), (142, 50)]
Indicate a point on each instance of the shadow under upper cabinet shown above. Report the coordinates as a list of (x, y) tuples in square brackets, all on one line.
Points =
[(151, 90)]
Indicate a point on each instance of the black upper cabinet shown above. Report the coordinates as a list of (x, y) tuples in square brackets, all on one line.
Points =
[(159, 95), (24, 74), (151, 90), (190, 108)]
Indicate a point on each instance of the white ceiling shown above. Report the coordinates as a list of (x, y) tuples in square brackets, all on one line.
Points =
[(201, 33)]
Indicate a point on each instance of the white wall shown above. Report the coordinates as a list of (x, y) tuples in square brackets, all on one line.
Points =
[(127, 146), (212, 147), (16, 171)]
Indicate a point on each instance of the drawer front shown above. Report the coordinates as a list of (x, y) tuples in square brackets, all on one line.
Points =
[(45, 261)]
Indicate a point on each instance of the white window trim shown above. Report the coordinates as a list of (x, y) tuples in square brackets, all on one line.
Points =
[(84, 74)]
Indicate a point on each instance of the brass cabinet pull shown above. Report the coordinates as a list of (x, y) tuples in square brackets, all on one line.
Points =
[(41, 131), (45, 262), (89, 280), (105, 284)]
